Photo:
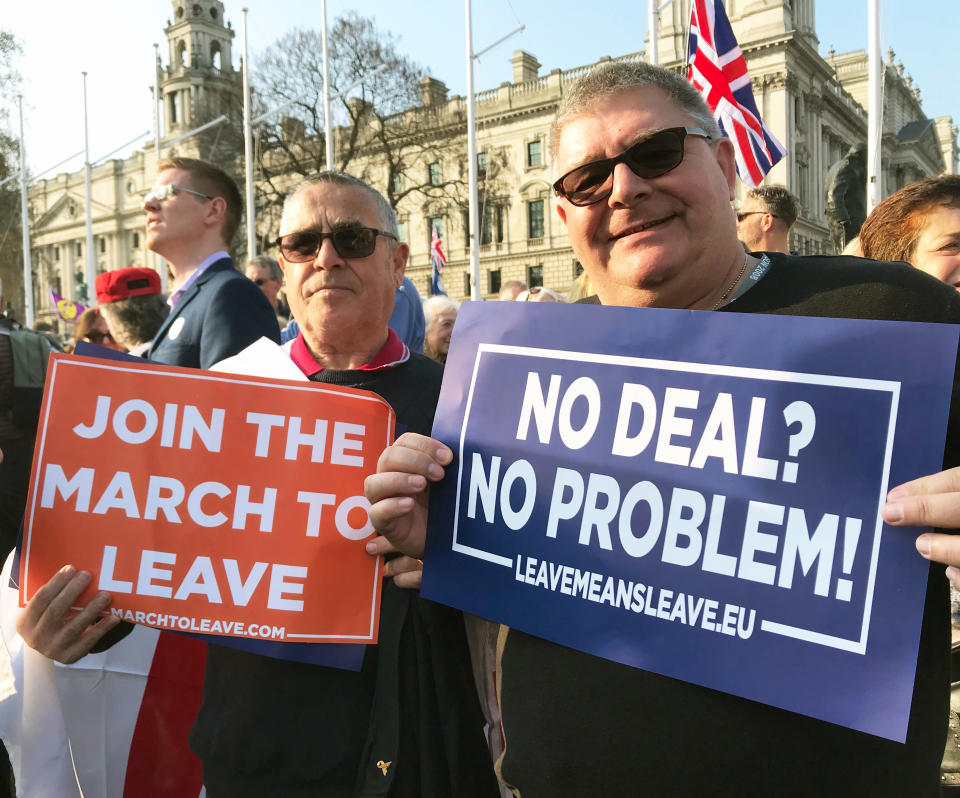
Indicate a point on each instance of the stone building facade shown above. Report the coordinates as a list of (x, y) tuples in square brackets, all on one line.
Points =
[(814, 104)]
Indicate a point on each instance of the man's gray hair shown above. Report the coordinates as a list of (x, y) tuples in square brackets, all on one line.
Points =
[(388, 218), (609, 80), (434, 306), (268, 263)]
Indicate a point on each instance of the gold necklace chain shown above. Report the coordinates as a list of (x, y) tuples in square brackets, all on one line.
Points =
[(730, 287)]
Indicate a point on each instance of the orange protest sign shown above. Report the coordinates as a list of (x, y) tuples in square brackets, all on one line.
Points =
[(208, 502)]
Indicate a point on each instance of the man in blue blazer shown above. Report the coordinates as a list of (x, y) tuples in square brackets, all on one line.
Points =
[(192, 215)]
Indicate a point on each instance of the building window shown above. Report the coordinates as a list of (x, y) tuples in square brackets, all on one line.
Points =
[(79, 250), (535, 153), (466, 283), (402, 231), (136, 240), (56, 254), (534, 276), (481, 164), (493, 281), (535, 219), (433, 174), (103, 246)]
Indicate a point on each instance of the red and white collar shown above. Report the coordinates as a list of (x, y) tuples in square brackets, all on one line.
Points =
[(392, 353)]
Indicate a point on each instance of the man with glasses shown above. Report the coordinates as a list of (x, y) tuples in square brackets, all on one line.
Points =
[(192, 216), (272, 727), (267, 275), (765, 218), (644, 186)]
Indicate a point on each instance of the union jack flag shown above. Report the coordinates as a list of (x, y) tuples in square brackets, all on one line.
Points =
[(439, 259), (718, 70)]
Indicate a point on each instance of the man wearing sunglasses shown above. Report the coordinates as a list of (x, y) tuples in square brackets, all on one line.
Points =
[(644, 186), (192, 215), (765, 218), (272, 727), (267, 275)]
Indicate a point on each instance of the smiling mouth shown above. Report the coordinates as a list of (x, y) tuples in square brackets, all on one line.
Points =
[(641, 227)]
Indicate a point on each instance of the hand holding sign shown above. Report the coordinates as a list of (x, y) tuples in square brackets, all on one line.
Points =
[(398, 493), (49, 626), (932, 500)]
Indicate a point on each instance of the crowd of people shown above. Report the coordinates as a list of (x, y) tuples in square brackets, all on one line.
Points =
[(644, 183)]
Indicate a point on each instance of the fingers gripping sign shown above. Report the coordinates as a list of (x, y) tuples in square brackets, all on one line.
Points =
[(933, 500), (49, 626), (398, 492)]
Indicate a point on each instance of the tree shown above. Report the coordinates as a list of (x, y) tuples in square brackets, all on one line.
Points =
[(11, 249), (385, 132)]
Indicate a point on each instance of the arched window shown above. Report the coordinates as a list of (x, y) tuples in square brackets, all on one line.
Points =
[(173, 108), (215, 56), (182, 53)]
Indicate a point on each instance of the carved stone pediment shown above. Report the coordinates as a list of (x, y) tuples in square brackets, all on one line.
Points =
[(66, 210)]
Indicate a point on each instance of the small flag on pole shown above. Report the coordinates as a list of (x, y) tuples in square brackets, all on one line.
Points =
[(67, 309), (439, 259), (718, 70)]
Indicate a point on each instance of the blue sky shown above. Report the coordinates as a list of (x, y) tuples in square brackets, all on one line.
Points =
[(112, 40)]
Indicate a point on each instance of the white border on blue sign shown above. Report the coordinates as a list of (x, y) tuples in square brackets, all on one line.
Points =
[(857, 646)]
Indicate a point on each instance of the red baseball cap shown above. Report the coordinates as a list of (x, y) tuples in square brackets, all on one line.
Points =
[(125, 283)]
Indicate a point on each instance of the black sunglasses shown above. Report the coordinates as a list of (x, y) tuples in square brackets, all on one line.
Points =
[(650, 157), (741, 215), (349, 242)]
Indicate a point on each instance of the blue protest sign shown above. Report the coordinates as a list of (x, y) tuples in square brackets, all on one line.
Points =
[(695, 494)]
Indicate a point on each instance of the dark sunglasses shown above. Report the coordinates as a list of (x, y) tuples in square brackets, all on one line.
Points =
[(741, 215), (349, 242), (96, 337), (651, 157)]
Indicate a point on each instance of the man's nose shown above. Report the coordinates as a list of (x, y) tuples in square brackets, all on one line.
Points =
[(327, 256), (627, 186)]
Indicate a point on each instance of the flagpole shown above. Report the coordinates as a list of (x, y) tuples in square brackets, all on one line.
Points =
[(88, 180), (472, 164), (327, 123), (158, 263), (248, 148), (156, 100), (653, 31), (25, 227), (874, 106)]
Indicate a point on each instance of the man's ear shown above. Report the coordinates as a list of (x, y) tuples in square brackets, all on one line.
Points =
[(767, 221), (399, 262), (561, 212), (216, 211), (728, 164)]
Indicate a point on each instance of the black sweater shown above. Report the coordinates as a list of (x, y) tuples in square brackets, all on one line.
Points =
[(270, 727), (578, 726)]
